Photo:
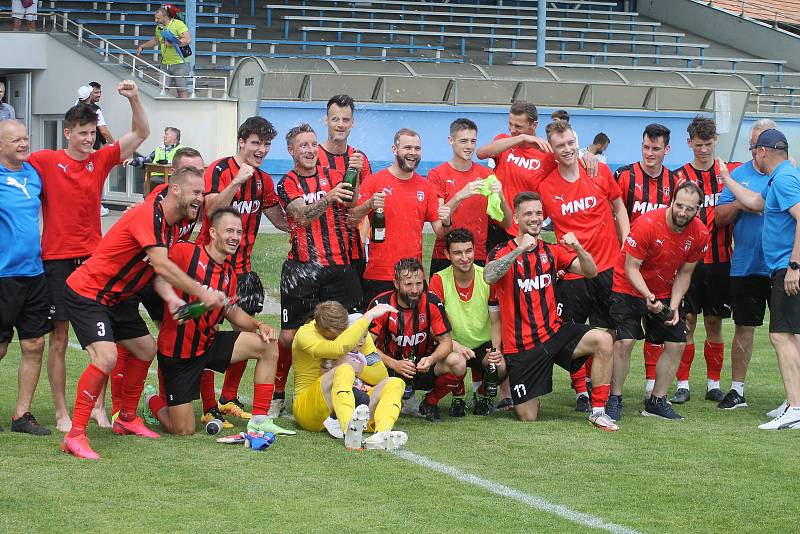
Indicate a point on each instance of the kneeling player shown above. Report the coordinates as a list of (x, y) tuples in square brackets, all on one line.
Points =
[(523, 271), (654, 269), (317, 393), (185, 349)]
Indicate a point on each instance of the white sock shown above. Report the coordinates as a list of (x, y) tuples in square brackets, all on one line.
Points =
[(712, 384), (683, 384), (650, 384), (596, 410), (738, 387), (258, 419), (579, 395)]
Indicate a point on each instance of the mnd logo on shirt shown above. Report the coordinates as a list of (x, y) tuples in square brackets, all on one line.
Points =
[(409, 341), (711, 200), (531, 164), (581, 204), (537, 283), (246, 206), (644, 207), (310, 198)]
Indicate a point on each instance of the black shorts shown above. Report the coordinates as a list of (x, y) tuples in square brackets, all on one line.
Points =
[(530, 373), (750, 296), (57, 272), (784, 310), (422, 381), (710, 291), (24, 305), (304, 285), (587, 298), (476, 363), (440, 265), (94, 322), (373, 288), (250, 293), (152, 302), (629, 312), (182, 375)]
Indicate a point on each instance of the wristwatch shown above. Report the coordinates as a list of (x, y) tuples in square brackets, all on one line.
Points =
[(793, 265)]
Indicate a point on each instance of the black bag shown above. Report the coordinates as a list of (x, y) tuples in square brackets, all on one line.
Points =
[(186, 50)]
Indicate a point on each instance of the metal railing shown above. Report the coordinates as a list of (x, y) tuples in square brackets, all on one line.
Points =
[(761, 103), (214, 87), (776, 18)]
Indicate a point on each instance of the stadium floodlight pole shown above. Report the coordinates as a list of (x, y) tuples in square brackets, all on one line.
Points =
[(191, 23), (541, 32)]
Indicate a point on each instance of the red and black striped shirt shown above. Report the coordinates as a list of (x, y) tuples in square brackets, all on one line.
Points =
[(526, 294), (642, 192), (193, 337), (182, 230), (253, 197), (710, 183), (410, 330), (325, 241), (119, 267)]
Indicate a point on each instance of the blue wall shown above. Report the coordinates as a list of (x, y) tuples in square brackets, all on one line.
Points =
[(376, 124)]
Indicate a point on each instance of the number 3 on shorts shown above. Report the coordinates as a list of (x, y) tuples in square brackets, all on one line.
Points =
[(101, 329), (285, 315)]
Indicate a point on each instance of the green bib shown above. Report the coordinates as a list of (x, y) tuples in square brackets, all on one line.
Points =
[(161, 154), (470, 320)]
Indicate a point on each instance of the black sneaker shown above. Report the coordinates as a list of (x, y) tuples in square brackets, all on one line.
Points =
[(458, 408), (681, 395), (613, 407), (505, 405), (29, 425), (582, 404), (659, 407), (430, 412), (481, 405), (714, 395), (732, 401)]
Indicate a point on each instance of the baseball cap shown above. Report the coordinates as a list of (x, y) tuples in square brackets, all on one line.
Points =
[(771, 138), (83, 92)]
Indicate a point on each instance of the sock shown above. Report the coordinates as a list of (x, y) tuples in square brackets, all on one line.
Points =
[(282, 370), (388, 409), (579, 380), (233, 376), (651, 354), (207, 395), (88, 388), (156, 403), (649, 384), (477, 380), (686, 364), (132, 386), (712, 384), (600, 395), (342, 397), (444, 384), (714, 354), (683, 384), (262, 398), (738, 387), (115, 378), (459, 390)]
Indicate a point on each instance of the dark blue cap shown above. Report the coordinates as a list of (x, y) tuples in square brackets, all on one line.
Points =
[(771, 138)]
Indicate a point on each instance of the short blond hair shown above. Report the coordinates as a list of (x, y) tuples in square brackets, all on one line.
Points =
[(330, 315)]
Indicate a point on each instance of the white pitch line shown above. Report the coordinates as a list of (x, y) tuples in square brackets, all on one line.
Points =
[(525, 498)]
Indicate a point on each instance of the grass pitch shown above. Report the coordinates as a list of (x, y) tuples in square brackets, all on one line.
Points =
[(713, 472)]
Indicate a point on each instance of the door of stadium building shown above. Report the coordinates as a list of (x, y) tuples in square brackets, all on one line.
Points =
[(18, 93)]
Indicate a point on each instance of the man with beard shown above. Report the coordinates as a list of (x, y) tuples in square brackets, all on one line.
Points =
[(408, 201), (185, 349), (653, 271), (523, 271), (100, 306), (414, 341), (237, 181)]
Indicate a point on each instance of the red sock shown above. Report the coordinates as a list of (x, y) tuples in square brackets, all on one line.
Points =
[(686, 362), (233, 376), (600, 395), (156, 404), (89, 385), (282, 370), (132, 386), (444, 384), (162, 391), (207, 395), (652, 353), (115, 379), (262, 398), (579, 380), (714, 354), (460, 390)]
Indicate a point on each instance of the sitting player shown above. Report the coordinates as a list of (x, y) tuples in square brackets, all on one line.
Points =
[(414, 340), (185, 349), (318, 391)]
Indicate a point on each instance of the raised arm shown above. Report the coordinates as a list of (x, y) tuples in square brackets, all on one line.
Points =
[(498, 146), (585, 266), (497, 269), (140, 128)]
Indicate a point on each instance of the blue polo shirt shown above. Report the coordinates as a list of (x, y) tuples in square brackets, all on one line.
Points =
[(748, 256), (20, 192), (779, 225)]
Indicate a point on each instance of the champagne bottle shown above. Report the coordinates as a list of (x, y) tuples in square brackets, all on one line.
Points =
[(408, 392), (350, 177), (195, 309), (378, 223), (491, 380), (665, 313)]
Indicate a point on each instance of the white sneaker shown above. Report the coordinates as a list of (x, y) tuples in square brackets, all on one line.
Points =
[(603, 421), (386, 441), (779, 410), (276, 408), (790, 419), (355, 428), (103, 211), (333, 427)]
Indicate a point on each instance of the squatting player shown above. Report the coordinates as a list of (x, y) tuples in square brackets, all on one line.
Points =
[(186, 349), (523, 271), (654, 269), (99, 305)]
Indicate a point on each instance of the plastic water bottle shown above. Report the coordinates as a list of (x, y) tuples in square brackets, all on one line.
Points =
[(213, 427)]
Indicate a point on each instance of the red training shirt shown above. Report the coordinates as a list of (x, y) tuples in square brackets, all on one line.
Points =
[(641, 192), (71, 192), (471, 213), (663, 252), (409, 203), (410, 330)]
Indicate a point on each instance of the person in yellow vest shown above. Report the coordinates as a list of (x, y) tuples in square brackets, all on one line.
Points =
[(162, 155), (467, 302), (173, 39), (331, 373)]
